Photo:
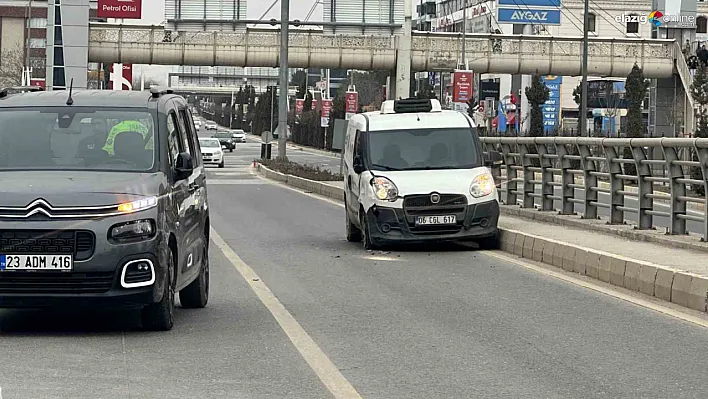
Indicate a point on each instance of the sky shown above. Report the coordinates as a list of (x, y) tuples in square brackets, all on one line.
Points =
[(154, 14)]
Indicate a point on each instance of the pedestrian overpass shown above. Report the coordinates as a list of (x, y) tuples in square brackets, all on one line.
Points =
[(511, 54), (486, 53)]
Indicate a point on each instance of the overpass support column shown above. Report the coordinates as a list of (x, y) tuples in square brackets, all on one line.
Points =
[(402, 85), (525, 121)]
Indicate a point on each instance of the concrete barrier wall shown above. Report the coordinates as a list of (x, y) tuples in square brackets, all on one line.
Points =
[(677, 286)]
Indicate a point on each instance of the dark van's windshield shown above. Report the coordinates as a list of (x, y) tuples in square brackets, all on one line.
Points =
[(77, 138), (423, 149)]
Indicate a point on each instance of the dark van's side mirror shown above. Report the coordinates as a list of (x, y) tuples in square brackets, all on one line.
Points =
[(185, 166), (492, 158), (358, 165)]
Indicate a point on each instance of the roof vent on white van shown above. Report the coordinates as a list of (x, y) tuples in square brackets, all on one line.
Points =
[(410, 106)]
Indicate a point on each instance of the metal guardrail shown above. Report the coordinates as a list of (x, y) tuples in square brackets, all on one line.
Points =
[(574, 171)]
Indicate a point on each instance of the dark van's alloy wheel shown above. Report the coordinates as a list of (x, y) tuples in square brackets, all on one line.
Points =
[(196, 294), (160, 316)]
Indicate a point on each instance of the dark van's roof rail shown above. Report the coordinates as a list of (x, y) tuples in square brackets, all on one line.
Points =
[(157, 91)]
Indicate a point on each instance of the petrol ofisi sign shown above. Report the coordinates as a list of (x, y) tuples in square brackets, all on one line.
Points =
[(126, 9)]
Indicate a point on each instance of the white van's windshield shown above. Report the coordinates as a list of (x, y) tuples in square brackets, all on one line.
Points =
[(422, 149)]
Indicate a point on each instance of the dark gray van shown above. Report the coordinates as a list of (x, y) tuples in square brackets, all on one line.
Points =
[(103, 203)]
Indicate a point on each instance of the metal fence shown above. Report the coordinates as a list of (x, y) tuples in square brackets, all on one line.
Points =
[(644, 181)]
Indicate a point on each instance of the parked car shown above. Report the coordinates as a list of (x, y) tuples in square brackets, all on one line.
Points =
[(212, 154), (125, 240), (225, 140), (211, 126), (238, 135)]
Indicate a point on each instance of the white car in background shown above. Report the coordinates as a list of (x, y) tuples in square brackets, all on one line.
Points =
[(212, 154), (211, 125), (238, 135), (198, 125)]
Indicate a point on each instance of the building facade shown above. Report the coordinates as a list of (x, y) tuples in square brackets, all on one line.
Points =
[(204, 15), (220, 76)]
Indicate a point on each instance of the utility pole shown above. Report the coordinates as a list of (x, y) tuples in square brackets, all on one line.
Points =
[(26, 74), (283, 100), (273, 90), (464, 34), (584, 85)]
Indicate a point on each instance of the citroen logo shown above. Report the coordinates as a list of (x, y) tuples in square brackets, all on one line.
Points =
[(434, 198)]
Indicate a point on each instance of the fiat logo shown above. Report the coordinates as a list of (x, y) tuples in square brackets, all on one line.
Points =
[(434, 198)]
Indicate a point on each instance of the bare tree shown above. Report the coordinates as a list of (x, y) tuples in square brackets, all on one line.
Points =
[(611, 104), (675, 115), (12, 62)]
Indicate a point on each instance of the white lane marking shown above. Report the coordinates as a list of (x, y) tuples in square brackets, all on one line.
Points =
[(616, 292), (327, 372), (649, 303), (231, 182)]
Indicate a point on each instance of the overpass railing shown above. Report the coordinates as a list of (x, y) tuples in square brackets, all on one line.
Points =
[(652, 182)]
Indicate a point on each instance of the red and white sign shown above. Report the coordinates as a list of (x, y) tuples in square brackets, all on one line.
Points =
[(326, 109), (314, 104), (122, 80), (463, 82), (351, 102), (127, 9), (39, 82), (299, 106)]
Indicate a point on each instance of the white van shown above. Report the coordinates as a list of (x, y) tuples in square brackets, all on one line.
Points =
[(414, 173)]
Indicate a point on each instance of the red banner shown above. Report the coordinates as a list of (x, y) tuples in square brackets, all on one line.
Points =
[(125, 78), (128, 9), (326, 108), (462, 86), (314, 104), (351, 102), (299, 106)]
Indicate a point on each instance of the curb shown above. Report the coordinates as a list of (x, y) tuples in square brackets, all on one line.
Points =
[(677, 286), (601, 226), (304, 148), (312, 186)]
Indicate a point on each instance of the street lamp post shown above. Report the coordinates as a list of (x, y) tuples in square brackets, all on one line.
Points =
[(283, 100), (584, 84)]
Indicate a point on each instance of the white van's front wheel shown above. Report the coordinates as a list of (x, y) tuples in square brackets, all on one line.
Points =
[(368, 241), (353, 232)]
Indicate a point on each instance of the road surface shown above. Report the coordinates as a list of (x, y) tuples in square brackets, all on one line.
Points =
[(332, 163), (421, 323)]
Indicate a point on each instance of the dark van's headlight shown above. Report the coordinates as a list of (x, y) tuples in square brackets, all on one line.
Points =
[(133, 231)]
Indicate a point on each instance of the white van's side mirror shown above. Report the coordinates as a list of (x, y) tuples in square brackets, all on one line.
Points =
[(358, 165)]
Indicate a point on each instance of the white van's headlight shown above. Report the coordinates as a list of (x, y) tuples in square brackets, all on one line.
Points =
[(482, 185), (384, 188)]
